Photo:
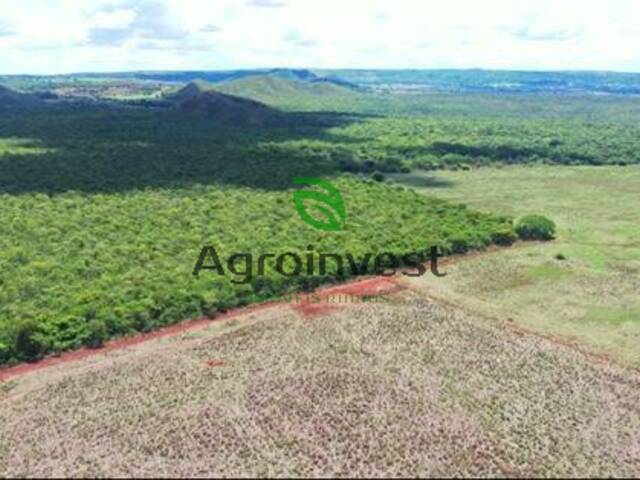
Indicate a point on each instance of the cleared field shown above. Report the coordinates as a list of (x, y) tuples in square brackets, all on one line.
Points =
[(585, 285), (403, 388)]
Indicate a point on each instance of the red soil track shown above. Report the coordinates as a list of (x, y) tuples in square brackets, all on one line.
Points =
[(321, 303), (355, 293)]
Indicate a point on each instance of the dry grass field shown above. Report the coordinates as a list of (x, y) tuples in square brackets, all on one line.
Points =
[(403, 388)]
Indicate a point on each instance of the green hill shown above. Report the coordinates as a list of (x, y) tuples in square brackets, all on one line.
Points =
[(274, 89), (200, 97), (190, 91), (252, 99)]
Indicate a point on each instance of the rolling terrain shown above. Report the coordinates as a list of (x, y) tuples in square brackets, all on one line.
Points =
[(457, 81)]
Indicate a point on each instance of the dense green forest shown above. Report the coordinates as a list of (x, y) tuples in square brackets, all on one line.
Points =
[(105, 212), (106, 205)]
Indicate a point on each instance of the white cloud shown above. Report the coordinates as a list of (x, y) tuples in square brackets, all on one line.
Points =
[(113, 19), (50, 36)]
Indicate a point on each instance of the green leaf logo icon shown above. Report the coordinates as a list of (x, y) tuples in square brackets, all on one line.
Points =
[(328, 204)]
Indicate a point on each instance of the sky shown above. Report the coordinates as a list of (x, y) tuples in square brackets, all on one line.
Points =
[(65, 36)]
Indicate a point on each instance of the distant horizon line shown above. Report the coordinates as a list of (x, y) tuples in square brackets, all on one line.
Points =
[(362, 69)]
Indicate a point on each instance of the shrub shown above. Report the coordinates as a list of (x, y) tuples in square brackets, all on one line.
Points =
[(378, 176), (504, 235), (560, 256), (5, 353), (349, 165), (368, 165), (30, 342), (535, 227), (459, 243), (96, 334)]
